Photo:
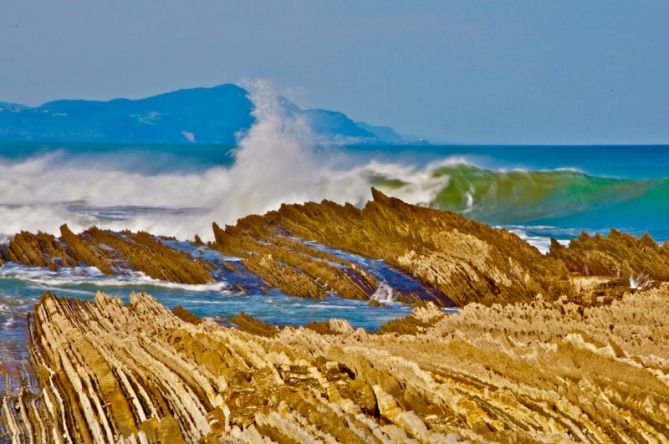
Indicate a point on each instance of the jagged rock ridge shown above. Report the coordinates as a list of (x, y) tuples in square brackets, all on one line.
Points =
[(446, 258), (465, 260), (110, 252)]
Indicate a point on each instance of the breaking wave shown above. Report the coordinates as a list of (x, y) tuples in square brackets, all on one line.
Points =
[(514, 197), (277, 161)]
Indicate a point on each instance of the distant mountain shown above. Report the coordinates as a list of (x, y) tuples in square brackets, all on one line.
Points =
[(11, 107), (199, 115)]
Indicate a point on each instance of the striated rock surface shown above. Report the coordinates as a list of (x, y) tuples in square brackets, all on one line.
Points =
[(315, 249), (465, 260), (538, 371), (39, 250), (618, 255), (291, 265), (145, 253), (108, 251)]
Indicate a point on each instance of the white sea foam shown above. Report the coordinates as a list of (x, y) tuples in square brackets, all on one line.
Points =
[(275, 163), (542, 243), (384, 293), (92, 276)]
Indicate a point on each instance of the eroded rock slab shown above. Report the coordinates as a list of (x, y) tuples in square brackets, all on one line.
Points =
[(620, 255), (110, 252)]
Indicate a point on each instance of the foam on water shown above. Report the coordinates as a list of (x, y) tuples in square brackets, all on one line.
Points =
[(92, 276), (275, 162), (185, 204), (538, 237)]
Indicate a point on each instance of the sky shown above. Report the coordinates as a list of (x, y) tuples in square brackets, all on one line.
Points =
[(459, 71)]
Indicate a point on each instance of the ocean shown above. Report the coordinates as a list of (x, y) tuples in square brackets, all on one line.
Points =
[(538, 192)]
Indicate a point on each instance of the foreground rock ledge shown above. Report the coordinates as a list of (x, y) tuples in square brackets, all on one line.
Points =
[(109, 372)]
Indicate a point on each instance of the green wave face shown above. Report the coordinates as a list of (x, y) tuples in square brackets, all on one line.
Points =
[(380, 181), (523, 196)]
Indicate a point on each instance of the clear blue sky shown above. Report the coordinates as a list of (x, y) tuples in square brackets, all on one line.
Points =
[(534, 71)]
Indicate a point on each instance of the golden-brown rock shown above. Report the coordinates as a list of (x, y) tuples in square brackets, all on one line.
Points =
[(249, 324), (467, 260), (85, 252), (292, 266), (109, 252), (539, 371), (147, 254), (617, 255), (186, 315), (38, 250)]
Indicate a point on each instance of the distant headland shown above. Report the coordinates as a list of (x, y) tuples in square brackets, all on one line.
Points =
[(217, 115)]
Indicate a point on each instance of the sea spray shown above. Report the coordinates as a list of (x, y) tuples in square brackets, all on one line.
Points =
[(274, 162), (277, 161)]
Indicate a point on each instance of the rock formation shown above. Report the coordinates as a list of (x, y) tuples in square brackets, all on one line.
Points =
[(538, 371), (310, 250), (293, 266), (617, 255), (39, 250), (108, 251), (569, 346), (465, 260)]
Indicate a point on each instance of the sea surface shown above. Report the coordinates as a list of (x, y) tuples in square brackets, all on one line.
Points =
[(538, 192)]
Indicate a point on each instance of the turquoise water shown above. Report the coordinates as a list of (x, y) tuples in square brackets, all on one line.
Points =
[(567, 188)]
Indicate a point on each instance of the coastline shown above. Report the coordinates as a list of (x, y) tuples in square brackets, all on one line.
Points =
[(539, 371), (537, 339)]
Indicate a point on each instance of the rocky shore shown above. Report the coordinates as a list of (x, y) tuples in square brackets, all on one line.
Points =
[(568, 346), (537, 371), (304, 250)]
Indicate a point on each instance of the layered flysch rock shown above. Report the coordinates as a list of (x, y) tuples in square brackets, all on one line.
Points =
[(110, 252), (617, 255), (314, 249), (537, 371), (465, 260)]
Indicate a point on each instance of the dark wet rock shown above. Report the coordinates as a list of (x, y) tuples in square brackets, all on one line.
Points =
[(186, 315), (254, 326)]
